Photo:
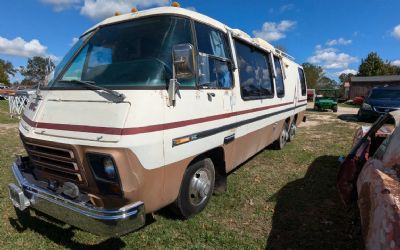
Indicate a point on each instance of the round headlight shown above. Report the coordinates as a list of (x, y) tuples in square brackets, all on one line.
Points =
[(109, 167)]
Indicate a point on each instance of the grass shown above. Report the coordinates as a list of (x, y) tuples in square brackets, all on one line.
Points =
[(277, 200)]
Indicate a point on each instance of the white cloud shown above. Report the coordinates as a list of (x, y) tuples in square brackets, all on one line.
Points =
[(192, 8), (271, 31), (20, 47), (340, 41), (73, 41), (396, 32), (60, 5), (331, 58), (395, 63), (98, 9), (286, 7), (347, 71)]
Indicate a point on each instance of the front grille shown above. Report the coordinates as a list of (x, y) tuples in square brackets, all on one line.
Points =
[(54, 163), (384, 109)]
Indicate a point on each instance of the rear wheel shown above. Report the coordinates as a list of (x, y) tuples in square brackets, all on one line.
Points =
[(283, 138), (334, 108), (292, 131), (196, 189)]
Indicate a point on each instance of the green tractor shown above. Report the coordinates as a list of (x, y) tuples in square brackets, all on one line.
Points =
[(326, 99)]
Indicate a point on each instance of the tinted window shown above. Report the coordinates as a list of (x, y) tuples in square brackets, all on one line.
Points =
[(280, 85), (385, 94), (211, 41), (213, 59), (302, 82), (130, 54), (254, 72)]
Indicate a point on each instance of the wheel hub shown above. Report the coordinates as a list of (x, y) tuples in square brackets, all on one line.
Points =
[(199, 188)]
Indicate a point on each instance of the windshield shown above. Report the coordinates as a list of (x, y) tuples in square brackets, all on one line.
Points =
[(131, 54), (385, 94), (67, 58)]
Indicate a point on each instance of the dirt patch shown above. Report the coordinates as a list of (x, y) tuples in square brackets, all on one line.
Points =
[(8, 126)]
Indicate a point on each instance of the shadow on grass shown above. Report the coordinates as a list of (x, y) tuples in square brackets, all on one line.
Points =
[(60, 235), (348, 117), (309, 215)]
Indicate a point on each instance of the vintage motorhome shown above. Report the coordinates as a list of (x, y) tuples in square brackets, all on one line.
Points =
[(150, 109)]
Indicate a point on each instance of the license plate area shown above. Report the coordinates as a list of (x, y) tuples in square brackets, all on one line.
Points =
[(18, 197)]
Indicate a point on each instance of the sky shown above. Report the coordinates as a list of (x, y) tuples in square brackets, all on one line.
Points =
[(334, 34)]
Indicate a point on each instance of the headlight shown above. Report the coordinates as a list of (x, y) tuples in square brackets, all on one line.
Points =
[(105, 172), (109, 167), (103, 167), (366, 106)]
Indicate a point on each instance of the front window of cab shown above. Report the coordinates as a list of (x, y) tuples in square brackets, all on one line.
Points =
[(127, 55)]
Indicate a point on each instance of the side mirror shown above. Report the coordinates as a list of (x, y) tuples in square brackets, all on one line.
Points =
[(183, 61), (183, 69)]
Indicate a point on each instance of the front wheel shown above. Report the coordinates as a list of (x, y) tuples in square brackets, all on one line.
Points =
[(334, 108), (196, 189)]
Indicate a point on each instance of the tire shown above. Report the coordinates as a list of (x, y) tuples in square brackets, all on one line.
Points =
[(292, 131), (280, 143), (196, 189), (334, 108)]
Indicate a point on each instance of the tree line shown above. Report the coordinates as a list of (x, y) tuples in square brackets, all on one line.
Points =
[(34, 73), (372, 65)]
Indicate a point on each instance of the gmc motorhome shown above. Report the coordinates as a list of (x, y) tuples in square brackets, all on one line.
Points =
[(150, 109)]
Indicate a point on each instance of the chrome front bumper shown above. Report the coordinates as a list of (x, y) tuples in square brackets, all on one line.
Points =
[(24, 194)]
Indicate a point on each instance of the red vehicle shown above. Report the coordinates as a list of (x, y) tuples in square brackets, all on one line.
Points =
[(370, 174), (358, 100)]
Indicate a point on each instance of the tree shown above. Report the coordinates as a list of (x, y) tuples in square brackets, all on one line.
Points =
[(313, 74), (345, 77), (373, 65), (37, 69), (326, 83), (6, 69)]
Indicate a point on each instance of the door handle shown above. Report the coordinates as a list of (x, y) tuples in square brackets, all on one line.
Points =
[(210, 96)]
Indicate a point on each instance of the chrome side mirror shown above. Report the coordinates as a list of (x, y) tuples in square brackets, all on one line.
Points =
[(183, 61)]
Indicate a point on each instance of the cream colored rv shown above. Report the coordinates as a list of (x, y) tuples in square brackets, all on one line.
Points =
[(150, 109)]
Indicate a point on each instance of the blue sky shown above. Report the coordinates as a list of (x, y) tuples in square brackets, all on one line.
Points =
[(333, 34)]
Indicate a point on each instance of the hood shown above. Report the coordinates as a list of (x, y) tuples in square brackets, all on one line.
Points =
[(82, 115), (390, 103)]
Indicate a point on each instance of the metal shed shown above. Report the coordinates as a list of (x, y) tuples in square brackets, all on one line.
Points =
[(360, 85)]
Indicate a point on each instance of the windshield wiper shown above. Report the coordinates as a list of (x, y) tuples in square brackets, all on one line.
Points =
[(92, 85)]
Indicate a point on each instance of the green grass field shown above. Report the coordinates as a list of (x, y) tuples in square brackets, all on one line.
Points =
[(277, 200)]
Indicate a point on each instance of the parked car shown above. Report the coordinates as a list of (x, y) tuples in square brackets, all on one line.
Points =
[(3, 92), (358, 100), (379, 101), (326, 99), (370, 175)]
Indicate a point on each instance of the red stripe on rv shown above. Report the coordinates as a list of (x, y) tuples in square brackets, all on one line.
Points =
[(145, 129)]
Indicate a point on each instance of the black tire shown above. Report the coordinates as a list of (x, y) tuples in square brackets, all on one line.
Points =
[(292, 131), (196, 189), (283, 138), (334, 108)]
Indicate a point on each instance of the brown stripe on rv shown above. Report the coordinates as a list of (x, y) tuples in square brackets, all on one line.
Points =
[(145, 129)]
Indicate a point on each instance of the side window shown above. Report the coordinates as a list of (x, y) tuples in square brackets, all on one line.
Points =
[(254, 72), (280, 85), (213, 59), (302, 82)]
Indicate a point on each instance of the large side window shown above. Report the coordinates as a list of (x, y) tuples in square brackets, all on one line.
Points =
[(280, 85), (213, 59), (302, 82), (254, 72)]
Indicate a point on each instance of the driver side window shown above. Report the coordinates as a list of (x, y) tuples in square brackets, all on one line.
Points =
[(214, 58)]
